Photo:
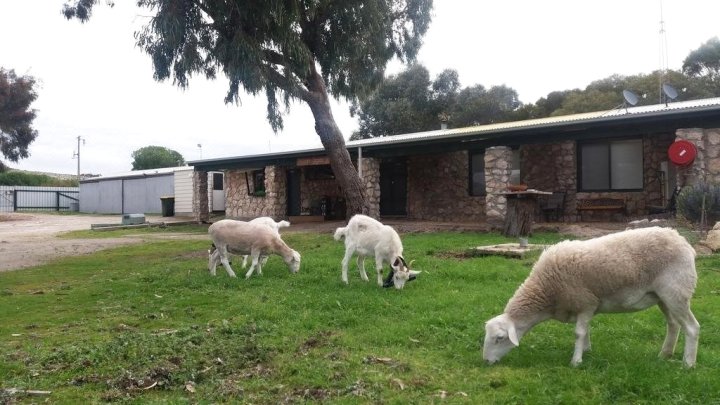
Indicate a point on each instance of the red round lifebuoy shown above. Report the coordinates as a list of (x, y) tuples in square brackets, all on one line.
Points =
[(682, 152)]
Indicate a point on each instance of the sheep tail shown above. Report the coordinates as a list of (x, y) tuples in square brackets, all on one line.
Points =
[(283, 224), (340, 232)]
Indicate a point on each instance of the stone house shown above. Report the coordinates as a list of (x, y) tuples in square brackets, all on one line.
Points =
[(461, 174)]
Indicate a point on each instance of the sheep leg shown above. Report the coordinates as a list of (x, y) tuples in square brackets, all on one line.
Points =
[(582, 337), (264, 260), (679, 309), (213, 261), (379, 269), (244, 263), (345, 261), (224, 260), (361, 267), (673, 331), (254, 254)]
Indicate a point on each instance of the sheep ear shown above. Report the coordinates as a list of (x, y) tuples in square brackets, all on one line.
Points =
[(398, 261), (512, 334)]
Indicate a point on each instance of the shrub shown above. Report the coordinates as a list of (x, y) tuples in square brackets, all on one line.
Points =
[(690, 202), (20, 178)]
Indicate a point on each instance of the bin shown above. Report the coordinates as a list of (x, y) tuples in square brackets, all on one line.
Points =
[(168, 206)]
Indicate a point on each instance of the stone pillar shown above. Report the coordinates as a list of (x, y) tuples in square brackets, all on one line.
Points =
[(371, 181), (706, 142), (498, 167), (201, 206)]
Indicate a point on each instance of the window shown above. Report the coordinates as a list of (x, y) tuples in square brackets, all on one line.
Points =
[(611, 165), (258, 177), (217, 181), (477, 173)]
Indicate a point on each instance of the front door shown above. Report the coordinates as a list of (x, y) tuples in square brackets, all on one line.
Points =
[(393, 187), (218, 192), (293, 192)]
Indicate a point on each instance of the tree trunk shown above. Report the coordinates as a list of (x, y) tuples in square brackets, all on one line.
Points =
[(345, 173), (519, 217)]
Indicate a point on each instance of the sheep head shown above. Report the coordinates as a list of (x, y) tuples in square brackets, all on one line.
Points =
[(500, 337), (400, 274), (293, 262)]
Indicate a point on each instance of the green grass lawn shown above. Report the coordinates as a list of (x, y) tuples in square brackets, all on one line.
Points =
[(148, 324)]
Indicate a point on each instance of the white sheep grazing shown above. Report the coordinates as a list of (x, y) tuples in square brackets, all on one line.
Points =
[(238, 237), (269, 222), (367, 237), (623, 272)]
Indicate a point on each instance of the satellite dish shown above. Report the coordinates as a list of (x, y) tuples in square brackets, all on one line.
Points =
[(630, 97), (669, 91)]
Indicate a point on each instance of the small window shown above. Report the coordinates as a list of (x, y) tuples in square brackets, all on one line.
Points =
[(611, 165), (218, 181), (258, 177), (477, 173)]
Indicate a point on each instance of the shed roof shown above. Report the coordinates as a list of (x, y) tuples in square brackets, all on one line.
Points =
[(617, 122), (163, 171)]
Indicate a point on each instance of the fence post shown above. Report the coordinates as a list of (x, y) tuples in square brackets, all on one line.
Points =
[(14, 200), (57, 201)]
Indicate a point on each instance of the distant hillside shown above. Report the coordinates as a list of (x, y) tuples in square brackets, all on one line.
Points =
[(14, 177)]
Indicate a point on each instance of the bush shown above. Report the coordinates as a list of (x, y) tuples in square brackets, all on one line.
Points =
[(20, 178), (690, 203)]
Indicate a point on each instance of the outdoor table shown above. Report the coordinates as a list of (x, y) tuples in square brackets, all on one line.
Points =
[(520, 211)]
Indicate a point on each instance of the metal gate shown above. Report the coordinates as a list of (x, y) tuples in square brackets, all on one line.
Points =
[(15, 198)]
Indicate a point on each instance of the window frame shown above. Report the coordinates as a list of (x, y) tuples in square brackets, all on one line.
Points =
[(608, 143), (258, 178), (471, 171)]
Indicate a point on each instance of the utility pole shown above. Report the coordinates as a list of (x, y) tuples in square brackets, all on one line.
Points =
[(77, 154)]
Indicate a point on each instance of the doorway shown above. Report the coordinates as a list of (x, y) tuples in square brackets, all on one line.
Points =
[(393, 187)]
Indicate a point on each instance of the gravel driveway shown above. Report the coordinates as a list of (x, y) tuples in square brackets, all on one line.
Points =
[(30, 239)]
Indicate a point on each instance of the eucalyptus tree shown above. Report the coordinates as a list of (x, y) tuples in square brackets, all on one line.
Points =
[(307, 50), (704, 61), (17, 93)]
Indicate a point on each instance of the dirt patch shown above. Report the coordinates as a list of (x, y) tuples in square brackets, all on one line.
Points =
[(31, 239)]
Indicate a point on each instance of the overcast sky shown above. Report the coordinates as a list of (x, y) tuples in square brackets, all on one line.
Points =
[(94, 83)]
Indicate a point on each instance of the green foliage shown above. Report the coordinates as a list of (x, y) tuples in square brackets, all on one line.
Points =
[(704, 61), (692, 199), (20, 178), (410, 102), (106, 326), (16, 117), (153, 157)]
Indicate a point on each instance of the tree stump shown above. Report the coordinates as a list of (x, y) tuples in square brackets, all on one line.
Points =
[(519, 217)]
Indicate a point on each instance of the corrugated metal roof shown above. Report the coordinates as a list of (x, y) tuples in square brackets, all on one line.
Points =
[(617, 114), (139, 173)]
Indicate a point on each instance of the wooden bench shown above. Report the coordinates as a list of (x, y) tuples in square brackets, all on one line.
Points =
[(601, 204)]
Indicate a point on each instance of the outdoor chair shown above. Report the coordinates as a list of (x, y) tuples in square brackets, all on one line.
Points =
[(554, 206)]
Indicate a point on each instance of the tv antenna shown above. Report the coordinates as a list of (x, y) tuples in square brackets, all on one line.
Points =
[(663, 53)]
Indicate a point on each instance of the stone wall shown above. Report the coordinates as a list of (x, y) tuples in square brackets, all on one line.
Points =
[(706, 167), (371, 180), (551, 167), (240, 205), (498, 167), (438, 189), (200, 200)]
